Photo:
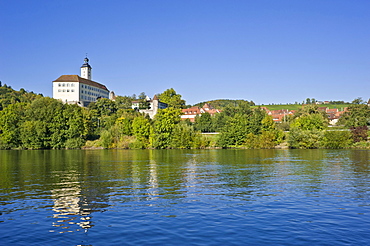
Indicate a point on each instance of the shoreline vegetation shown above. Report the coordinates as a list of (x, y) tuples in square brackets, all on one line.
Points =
[(31, 121)]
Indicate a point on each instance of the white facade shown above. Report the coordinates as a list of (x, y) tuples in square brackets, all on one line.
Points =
[(154, 105), (79, 90)]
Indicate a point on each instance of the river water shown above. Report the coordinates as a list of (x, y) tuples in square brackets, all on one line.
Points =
[(185, 197)]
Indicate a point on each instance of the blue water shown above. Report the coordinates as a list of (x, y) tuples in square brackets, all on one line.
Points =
[(185, 197)]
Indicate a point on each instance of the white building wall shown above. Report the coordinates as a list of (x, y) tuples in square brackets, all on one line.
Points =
[(66, 91), (73, 92)]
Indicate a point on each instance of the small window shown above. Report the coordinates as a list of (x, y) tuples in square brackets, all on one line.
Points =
[(82, 91), (64, 90), (67, 90), (59, 90), (72, 85), (59, 84), (72, 90), (67, 84), (63, 84)]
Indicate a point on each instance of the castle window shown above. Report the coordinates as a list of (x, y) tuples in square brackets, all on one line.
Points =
[(59, 84), (72, 90), (72, 85), (67, 84), (67, 90), (63, 84)]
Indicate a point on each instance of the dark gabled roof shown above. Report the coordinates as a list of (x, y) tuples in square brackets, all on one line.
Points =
[(76, 78)]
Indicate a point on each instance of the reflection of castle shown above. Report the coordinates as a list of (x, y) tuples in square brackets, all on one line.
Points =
[(67, 205), (73, 205)]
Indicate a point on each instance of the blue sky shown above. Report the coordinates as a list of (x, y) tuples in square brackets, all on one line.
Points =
[(268, 51)]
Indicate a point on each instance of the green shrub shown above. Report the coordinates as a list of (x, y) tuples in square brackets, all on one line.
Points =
[(304, 139), (336, 139), (75, 143)]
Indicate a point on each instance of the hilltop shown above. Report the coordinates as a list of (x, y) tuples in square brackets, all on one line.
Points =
[(340, 107), (222, 103)]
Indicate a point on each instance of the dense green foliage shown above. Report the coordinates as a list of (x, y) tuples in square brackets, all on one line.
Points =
[(223, 103), (30, 121), (172, 99)]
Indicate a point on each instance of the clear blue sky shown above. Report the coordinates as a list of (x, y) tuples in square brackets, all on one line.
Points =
[(268, 51)]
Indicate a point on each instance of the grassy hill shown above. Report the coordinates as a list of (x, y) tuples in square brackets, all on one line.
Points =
[(221, 103), (298, 106)]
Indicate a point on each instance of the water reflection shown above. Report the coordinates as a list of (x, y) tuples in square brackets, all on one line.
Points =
[(69, 206), (140, 192)]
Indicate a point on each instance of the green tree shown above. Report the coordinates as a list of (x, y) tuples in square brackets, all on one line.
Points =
[(357, 114), (336, 139), (123, 102), (141, 129), (34, 135), (204, 122), (184, 136), (234, 132), (305, 139), (309, 122), (10, 120), (172, 99), (164, 123)]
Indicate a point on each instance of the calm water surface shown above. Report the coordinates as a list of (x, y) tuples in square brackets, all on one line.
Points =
[(185, 197)]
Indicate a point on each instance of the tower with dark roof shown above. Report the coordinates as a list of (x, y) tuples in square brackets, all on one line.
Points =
[(86, 69)]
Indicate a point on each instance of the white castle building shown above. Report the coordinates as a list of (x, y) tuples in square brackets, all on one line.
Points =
[(74, 89)]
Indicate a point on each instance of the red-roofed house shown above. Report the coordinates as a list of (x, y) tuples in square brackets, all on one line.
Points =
[(191, 113)]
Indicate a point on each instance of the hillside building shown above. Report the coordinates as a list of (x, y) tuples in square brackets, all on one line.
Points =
[(191, 113), (153, 106), (81, 90)]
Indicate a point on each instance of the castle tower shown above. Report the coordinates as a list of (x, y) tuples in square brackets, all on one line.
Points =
[(86, 69)]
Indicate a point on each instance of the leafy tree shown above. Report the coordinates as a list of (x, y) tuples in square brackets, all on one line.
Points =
[(309, 122), (336, 139), (34, 135), (164, 124), (305, 139), (144, 103), (103, 106), (172, 99), (141, 128), (123, 102), (359, 133), (357, 114), (203, 122), (234, 132), (10, 120), (184, 136)]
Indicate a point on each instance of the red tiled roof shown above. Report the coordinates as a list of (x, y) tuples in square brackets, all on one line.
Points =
[(76, 78), (331, 110), (192, 110)]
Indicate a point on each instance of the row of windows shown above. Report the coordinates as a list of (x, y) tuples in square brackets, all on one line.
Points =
[(66, 90), (66, 84), (94, 89), (82, 92), (90, 93)]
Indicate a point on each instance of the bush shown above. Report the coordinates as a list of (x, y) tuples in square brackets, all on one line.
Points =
[(304, 139), (75, 143), (336, 139), (265, 140), (359, 133)]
